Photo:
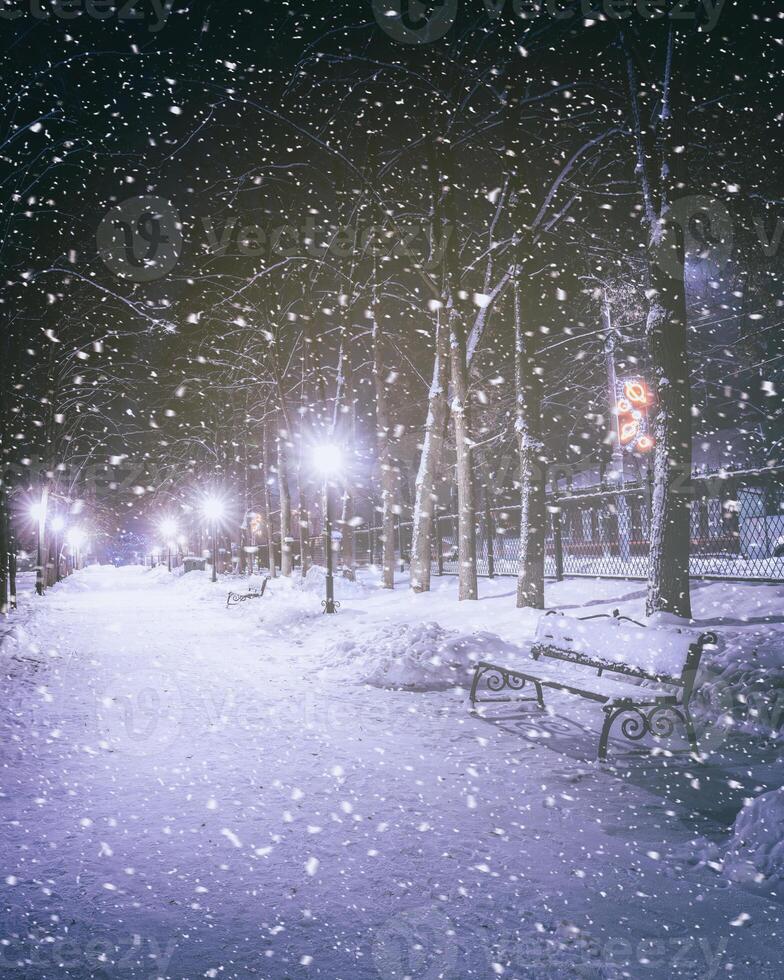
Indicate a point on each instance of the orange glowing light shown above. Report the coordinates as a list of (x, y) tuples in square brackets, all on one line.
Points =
[(636, 392), (629, 431), (624, 405), (644, 443)]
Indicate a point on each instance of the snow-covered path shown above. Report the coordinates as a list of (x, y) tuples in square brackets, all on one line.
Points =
[(186, 794)]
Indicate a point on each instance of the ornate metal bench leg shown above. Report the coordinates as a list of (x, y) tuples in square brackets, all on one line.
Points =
[(475, 683), (658, 721), (539, 695), (692, 735), (610, 714)]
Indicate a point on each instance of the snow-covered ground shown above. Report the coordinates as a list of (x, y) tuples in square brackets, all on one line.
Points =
[(191, 790)]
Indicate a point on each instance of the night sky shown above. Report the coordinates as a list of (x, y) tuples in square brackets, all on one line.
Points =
[(267, 129)]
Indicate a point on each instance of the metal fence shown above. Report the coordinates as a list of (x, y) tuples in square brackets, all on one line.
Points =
[(737, 532)]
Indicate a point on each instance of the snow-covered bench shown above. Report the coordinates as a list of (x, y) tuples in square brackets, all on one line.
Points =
[(603, 658), (234, 597)]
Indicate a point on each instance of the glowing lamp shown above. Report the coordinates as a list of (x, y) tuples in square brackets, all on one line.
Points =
[(327, 459), (76, 537), (168, 529), (213, 509)]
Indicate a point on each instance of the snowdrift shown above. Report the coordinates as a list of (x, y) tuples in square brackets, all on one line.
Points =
[(743, 683), (755, 853), (417, 656)]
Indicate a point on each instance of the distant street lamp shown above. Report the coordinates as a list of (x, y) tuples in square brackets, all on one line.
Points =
[(327, 459), (169, 530), (213, 510)]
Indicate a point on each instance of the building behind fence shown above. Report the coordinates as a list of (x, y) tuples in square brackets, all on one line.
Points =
[(737, 532)]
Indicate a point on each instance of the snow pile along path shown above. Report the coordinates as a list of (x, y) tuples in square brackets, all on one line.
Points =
[(417, 656), (755, 853)]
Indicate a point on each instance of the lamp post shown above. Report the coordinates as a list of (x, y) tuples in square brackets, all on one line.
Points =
[(327, 460), (213, 511), (168, 530)]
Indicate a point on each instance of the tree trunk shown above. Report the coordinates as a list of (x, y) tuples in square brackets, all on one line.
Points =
[(666, 331), (466, 510), (303, 520), (348, 541), (347, 550), (303, 489), (11, 562), (267, 504), (528, 424), (668, 566), (286, 540), (430, 462), (5, 552), (244, 537), (385, 462)]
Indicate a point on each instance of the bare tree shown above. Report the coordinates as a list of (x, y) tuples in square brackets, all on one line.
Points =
[(660, 172)]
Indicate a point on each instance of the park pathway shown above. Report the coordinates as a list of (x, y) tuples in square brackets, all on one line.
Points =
[(185, 794)]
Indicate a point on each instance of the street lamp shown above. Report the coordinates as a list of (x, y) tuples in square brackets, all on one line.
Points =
[(213, 510), (327, 459), (58, 523), (168, 530)]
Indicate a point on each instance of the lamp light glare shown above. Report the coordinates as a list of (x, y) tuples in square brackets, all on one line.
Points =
[(76, 537), (213, 509), (168, 529), (327, 458)]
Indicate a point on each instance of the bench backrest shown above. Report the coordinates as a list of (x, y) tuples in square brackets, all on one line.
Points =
[(617, 644)]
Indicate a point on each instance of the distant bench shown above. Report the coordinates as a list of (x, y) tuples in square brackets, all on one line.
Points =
[(590, 657), (234, 597)]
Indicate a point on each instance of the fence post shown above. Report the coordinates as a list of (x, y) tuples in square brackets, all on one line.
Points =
[(557, 541), (439, 544)]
